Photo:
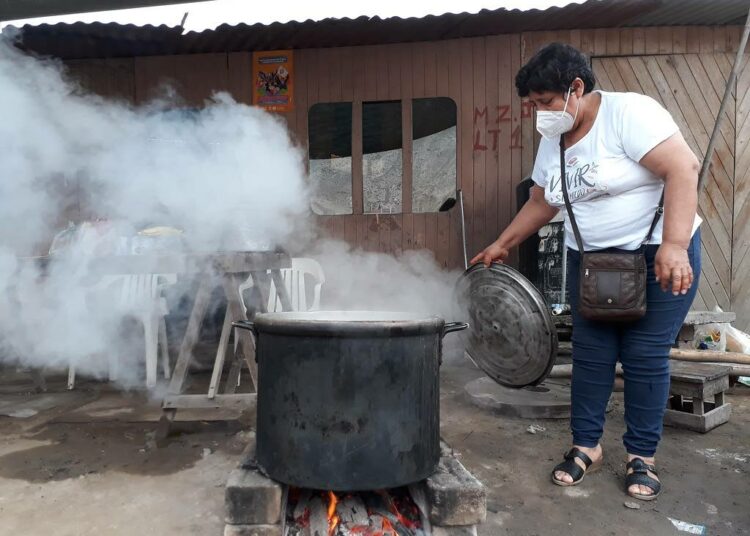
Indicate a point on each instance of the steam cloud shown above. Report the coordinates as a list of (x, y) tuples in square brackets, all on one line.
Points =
[(228, 175)]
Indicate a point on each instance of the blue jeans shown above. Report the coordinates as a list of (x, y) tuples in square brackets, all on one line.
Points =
[(643, 349)]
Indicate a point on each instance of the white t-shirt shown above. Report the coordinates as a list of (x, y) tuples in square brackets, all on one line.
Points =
[(614, 198)]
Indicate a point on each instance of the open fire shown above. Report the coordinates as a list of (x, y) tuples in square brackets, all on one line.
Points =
[(375, 513)]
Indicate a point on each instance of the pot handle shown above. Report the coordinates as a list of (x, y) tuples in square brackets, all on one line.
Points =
[(454, 326), (245, 324)]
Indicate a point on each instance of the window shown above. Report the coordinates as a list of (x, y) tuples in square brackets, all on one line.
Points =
[(330, 138), (382, 157), (434, 153), (433, 173)]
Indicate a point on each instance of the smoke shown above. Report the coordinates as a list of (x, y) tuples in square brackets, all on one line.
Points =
[(367, 281), (226, 176)]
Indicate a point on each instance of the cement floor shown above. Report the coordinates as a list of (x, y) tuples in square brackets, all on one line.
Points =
[(84, 463)]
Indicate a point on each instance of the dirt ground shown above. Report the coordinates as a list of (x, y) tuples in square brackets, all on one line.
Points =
[(85, 463)]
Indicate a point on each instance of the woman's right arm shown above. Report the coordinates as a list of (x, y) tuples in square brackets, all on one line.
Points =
[(533, 216)]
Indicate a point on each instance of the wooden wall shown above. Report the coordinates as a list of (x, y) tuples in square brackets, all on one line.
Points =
[(685, 68)]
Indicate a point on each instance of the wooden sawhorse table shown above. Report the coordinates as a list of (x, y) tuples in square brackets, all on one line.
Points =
[(230, 270)]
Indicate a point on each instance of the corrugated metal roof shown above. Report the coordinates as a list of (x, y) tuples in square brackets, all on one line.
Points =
[(26, 9), (81, 40)]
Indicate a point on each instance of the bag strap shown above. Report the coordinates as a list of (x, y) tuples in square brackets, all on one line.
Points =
[(657, 216), (569, 207)]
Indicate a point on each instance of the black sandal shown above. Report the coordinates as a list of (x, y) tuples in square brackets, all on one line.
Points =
[(639, 477), (573, 469)]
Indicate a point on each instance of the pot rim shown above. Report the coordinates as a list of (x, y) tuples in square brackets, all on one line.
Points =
[(348, 323)]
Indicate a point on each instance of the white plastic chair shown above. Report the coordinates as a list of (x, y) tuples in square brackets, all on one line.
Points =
[(141, 296), (295, 280)]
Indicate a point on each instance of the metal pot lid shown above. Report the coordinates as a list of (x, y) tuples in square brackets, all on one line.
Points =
[(511, 334)]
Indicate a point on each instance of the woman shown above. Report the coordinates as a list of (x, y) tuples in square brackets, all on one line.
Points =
[(622, 151)]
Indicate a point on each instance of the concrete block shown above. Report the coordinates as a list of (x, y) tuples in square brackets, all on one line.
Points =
[(252, 499), (470, 530), (252, 530), (455, 496)]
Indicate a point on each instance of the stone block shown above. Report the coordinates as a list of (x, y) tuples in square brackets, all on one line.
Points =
[(455, 496), (252, 530), (252, 499)]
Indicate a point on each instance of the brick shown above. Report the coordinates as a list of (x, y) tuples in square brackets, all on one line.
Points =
[(455, 496), (252, 530), (252, 499), (470, 530)]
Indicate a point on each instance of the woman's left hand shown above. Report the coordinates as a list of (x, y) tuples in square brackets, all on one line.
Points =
[(672, 267)]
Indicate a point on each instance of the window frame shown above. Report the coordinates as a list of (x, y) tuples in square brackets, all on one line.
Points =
[(407, 148)]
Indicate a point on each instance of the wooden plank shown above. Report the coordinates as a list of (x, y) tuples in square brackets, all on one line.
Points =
[(698, 423), (466, 127), (639, 41), (600, 42), (301, 103), (626, 41), (151, 73), (197, 314), (478, 52), (740, 284), (420, 231), (384, 232), (706, 39), (431, 231), (616, 80), (221, 352), (602, 75), (430, 69), (507, 177), (679, 39), (651, 37), (629, 77), (708, 68), (708, 109), (360, 80), (455, 88), (407, 154), (500, 119), (199, 76), (699, 118), (574, 38), (361, 221), (666, 43), (372, 232), (382, 83), (720, 39), (612, 45), (396, 234), (693, 40), (418, 70), (587, 42), (240, 401), (443, 252), (339, 226), (407, 227), (240, 77)]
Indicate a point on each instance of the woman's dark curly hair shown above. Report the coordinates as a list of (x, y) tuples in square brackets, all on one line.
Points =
[(554, 68)]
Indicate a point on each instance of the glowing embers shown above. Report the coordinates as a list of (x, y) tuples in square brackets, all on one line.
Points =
[(372, 513)]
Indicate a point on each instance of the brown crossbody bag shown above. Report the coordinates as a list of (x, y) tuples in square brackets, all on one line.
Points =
[(612, 286)]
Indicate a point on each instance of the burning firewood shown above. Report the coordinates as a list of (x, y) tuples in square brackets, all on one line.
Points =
[(352, 511), (318, 518)]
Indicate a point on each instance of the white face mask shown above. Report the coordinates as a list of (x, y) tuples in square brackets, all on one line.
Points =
[(552, 125)]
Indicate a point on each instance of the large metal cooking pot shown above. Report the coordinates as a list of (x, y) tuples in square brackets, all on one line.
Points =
[(348, 401)]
